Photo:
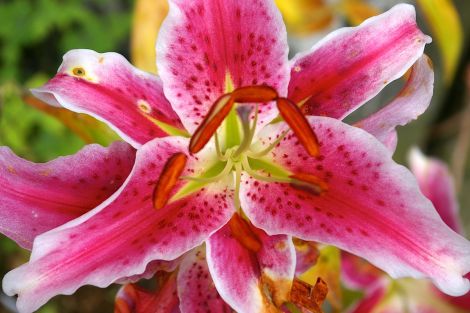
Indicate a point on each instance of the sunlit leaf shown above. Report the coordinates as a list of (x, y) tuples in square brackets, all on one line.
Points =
[(356, 11), (302, 17), (446, 28), (148, 17), (87, 128), (328, 268)]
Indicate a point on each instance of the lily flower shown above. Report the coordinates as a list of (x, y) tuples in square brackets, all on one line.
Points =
[(246, 182), (406, 295)]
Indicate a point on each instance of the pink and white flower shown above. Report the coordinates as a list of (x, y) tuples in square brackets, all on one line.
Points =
[(415, 296), (245, 188)]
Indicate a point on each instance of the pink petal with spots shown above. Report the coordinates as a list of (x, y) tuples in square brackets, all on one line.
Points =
[(243, 277), (196, 289), (357, 273), (352, 65), (437, 184), (36, 197), (373, 207), (412, 101), (110, 89), (203, 42), (120, 237)]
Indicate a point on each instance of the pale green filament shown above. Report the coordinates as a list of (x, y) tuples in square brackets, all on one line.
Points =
[(265, 151), (270, 179), (238, 175), (248, 133)]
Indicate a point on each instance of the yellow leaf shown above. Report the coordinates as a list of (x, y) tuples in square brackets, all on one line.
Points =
[(356, 11), (148, 17), (328, 269), (446, 28), (302, 17)]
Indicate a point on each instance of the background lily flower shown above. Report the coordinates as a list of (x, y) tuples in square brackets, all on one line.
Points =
[(386, 295), (334, 195)]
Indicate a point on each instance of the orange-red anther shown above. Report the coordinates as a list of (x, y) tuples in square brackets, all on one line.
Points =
[(293, 116), (211, 122), (309, 183), (254, 94), (242, 231), (172, 170)]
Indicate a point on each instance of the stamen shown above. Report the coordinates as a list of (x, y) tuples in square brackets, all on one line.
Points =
[(211, 122), (291, 113), (308, 296), (222, 107), (244, 114), (309, 183), (243, 233), (254, 94), (168, 179)]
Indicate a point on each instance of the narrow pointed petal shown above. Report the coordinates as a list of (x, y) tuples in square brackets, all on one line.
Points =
[(196, 289), (134, 299), (208, 48), (110, 89), (36, 197), (373, 207), (410, 103), (372, 300), (243, 277), (437, 185), (352, 65), (120, 237)]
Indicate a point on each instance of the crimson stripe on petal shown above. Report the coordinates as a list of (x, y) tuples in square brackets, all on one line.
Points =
[(373, 207), (110, 89), (410, 103), (121, 236), (36, 197), (196, 289), (352, 65), (203, 42)]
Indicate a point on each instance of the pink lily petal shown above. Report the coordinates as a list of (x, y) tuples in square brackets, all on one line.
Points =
[(196, 289), (307, 254), (352, 65), (242, 276), (134, 299), (202, 42), (107, 87), (412, 101), (437, 185), (372, 208), (36, 197), (122, 235), (357, 273)]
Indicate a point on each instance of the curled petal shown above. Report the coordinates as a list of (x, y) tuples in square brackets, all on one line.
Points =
[(373, 207), (357, 273), (36, 197), (196, 289), (410, 103), (352, 65), (120, 237), (134, 299), (198, 64), (251, 281), (110, 89)]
